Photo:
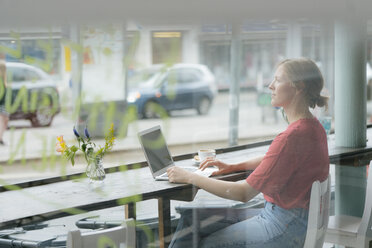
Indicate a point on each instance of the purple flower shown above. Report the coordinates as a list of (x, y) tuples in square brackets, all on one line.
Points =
[(76, 133), (86, 133)]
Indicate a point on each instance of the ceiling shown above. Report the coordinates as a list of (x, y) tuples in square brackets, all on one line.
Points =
[(14, 13)]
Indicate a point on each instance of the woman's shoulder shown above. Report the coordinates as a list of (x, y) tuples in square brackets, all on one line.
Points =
[(304, 125), (302, 128)]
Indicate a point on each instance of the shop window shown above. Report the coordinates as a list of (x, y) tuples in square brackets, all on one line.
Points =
[(166, 47)]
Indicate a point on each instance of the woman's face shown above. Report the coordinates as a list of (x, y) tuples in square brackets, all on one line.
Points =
[(282, 91)]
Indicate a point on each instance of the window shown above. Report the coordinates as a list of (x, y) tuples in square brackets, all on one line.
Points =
[(31, 75), (16, 75), (166, 47), (185, 76)]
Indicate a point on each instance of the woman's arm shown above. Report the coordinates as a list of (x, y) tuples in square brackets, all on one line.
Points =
[(248, 165), (239, 191), (224, 168)]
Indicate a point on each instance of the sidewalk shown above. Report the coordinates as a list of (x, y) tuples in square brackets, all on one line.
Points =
[(36, 143), (30, 152), (185, 131)]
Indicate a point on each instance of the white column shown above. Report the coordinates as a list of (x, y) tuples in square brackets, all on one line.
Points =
[(350, 110), (350, 82), (235, 63), (294, 40), (76, 65), (327, 60)]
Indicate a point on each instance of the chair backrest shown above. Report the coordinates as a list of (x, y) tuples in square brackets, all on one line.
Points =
[(318, 213), (365, 226), (116, 237)]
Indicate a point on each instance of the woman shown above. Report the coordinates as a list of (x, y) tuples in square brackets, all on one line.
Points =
[(297, 157), (4, 115)]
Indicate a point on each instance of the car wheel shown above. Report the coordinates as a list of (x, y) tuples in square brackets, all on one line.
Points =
[(203, 106), (43, 117), (154, 110)]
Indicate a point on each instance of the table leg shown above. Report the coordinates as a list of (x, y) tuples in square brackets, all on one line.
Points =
[(165, 234), (130, 210)]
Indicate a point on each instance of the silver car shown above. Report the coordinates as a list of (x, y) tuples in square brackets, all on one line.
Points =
[(31, 94)]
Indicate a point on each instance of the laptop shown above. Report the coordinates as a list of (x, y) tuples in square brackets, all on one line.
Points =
[(158, 156)]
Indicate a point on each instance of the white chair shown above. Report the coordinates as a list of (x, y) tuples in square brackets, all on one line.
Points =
[(353, 231), (116, 237), (318, 213)]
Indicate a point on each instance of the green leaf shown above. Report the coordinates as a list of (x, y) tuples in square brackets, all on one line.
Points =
[(74, 149), (99, 151), (72, 161)]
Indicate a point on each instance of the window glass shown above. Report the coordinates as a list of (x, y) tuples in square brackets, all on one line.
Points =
[(369, 72), (208, 59), (186, 76), (16, 74), (32, 75), (126, 74), (183, 76), (120, 79), (167, 47), (172, 78)]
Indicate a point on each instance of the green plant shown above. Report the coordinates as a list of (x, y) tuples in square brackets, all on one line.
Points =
[(90, 150)]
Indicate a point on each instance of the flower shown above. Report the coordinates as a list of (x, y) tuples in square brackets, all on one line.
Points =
[(85, 145), (76, 133), (86, 133), (61, 145)]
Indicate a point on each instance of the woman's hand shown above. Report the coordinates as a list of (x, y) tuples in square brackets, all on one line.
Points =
[(223, 168), (179, 175)]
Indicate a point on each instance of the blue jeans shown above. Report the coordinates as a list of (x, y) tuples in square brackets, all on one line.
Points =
[(271, 226)]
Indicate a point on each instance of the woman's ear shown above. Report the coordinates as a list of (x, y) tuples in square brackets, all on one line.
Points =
[(300, 87)]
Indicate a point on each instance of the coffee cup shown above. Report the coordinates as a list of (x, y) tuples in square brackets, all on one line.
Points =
[(206, 153)]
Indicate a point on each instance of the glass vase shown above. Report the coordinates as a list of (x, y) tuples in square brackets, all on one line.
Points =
[(95, 170)]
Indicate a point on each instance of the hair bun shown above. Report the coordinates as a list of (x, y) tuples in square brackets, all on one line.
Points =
[(322, 101)]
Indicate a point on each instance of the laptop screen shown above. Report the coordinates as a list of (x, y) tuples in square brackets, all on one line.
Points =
[(155, 148)]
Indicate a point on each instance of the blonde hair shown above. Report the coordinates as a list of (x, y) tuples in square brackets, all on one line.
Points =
[(302, 70)]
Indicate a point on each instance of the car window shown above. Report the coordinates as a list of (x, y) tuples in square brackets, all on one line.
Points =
[(140, 77), (172, 77), (146, 77), (185, 76), (15, 74), (182, 76), (31, 75)]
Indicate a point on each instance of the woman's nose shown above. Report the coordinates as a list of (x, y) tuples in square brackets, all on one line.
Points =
[(271, 85)]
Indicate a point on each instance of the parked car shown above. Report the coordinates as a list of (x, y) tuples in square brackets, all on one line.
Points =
[(159, 89), (34, 95)]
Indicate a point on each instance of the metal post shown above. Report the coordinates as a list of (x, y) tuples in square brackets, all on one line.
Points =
[(235, 62), (327, 60), (76, 65), (350, 110), (125, 65), (294, 40)]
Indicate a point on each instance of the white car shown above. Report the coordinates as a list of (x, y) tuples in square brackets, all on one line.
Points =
[(34, 95)]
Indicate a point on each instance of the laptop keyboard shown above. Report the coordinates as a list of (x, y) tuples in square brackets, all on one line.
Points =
[(190, 169)]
